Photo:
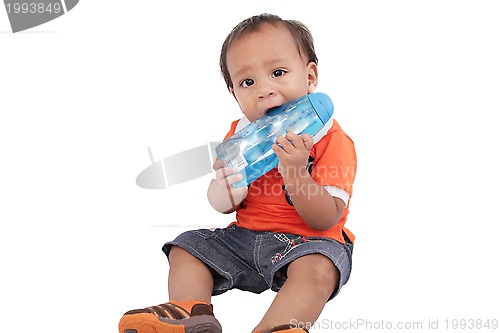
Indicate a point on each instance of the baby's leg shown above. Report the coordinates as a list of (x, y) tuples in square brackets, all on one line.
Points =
[(189, 279), (311, 281), (190, 287)]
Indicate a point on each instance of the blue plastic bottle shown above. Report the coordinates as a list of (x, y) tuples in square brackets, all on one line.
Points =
[(250, 148)]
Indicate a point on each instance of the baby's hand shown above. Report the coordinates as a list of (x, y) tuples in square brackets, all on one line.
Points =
[(222, 195), (293, 152), (225, 174)]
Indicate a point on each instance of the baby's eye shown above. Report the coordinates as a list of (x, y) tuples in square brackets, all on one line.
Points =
[(279, 72), (246, 83)]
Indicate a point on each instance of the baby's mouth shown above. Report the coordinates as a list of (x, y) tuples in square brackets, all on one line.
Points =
[(269, 109)]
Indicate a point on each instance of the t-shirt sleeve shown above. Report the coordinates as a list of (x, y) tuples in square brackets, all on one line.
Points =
[(335, 163)]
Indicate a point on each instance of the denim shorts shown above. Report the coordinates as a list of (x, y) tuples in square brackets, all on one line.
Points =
[(256, 261)]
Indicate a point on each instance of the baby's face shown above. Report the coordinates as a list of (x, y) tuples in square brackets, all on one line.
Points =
[(267, 70)]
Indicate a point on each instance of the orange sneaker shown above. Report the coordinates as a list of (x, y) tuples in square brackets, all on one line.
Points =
[(170, 318)]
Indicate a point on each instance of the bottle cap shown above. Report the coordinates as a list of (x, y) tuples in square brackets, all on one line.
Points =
[(323, 106)]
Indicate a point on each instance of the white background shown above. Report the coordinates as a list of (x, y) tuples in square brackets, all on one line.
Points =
[(415, 84)]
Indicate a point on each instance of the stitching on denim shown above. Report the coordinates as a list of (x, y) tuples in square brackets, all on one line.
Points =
[(256, 252)]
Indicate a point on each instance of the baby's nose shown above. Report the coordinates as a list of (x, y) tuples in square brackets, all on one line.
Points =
[(267, 89)]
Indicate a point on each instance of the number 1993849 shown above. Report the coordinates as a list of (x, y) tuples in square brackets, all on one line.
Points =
[(33, 8)]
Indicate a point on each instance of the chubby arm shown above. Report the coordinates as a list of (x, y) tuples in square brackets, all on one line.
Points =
[(314, 204), (222, 196)]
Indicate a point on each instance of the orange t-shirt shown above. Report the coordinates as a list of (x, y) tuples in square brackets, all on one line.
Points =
[(265, 208)]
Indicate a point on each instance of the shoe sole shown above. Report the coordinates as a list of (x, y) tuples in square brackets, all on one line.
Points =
[(149, 323)]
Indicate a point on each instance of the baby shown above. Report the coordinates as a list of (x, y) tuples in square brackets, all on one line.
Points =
[(289, 233)]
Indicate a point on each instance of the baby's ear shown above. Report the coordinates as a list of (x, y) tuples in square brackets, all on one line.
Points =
[(312, 77)]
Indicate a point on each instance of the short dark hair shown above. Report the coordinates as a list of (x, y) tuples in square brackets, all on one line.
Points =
[(300, 33)]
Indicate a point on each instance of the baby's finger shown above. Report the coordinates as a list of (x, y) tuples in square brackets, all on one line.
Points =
[(219, 164), (240, 191), (278, 150), (234, 178), (284, 143), (291, 136), (297, 141), (225, 172), (308, 141)]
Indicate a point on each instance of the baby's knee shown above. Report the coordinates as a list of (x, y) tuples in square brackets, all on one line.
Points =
[(318, 270), (325, 272)]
